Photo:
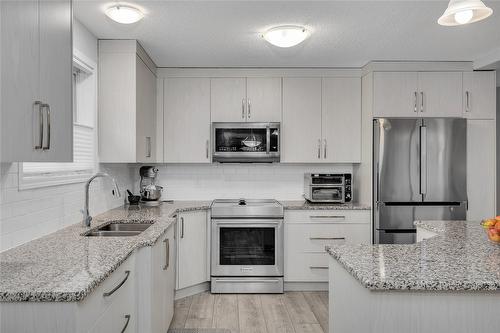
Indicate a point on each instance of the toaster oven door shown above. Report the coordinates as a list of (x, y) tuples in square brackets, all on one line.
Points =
[(327, 194)]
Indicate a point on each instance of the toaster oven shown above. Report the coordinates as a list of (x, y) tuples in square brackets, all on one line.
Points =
[(328, 188)]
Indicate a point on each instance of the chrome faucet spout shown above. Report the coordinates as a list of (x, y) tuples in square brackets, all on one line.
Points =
[(116, 192)]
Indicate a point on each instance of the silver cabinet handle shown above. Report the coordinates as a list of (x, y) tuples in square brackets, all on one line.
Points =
[(148, 146), (249, 106), (416, 103), (167, 254), (37, 108), (318, 267), (109, 293), (467, 101), (327, 238), (319, 148), (206, 149), (324, 155), (243, 108), (421, 101), (47, 108), (182, 227), (126, 323), (340, 217), (423, 160)]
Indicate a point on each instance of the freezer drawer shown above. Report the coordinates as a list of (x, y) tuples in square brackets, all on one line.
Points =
[(395, 236), (402, 215)]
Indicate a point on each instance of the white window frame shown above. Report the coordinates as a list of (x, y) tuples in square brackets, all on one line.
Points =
[(32, 181)]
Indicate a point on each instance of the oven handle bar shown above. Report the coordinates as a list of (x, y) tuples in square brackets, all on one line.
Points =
[(249, 280)]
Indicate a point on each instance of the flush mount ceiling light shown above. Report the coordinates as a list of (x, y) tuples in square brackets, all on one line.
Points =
[(463, 12), (124, 14), (286, 36)]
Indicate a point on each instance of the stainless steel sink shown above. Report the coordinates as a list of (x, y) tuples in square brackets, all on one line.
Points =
[(119, 229)]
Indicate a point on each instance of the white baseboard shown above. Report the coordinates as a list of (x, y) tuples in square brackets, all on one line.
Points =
[(306, 286), (193, 290)]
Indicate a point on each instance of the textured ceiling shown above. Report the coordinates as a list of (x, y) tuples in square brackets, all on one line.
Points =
[(344, 33)]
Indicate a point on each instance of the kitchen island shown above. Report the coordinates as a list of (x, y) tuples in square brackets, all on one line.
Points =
[(447, 283)]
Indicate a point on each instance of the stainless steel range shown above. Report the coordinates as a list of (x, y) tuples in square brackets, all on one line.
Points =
[(247, 246)]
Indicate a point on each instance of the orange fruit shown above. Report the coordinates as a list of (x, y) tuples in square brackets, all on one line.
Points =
[(497, 225)]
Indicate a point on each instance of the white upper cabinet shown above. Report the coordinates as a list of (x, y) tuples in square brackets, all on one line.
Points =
[(246, 99), (479, 95), (228, 99), (127, 103), (417, 94), (301, 130), (186, 114), (36, 66), (341, 120), (395, 94), (440, 94), (264, 99)]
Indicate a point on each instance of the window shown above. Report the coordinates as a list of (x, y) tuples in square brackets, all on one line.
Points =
[(33, 175)]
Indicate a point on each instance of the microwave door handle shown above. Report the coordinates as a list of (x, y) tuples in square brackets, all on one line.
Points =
[(268, 139)]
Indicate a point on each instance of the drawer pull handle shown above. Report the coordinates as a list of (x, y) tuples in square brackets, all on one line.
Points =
[(109, 293), (340, 217), (318, 267), (126, 323), (327, 238)]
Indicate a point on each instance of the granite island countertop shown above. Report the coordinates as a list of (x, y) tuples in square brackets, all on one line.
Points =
[(459, 258), (65, 266)]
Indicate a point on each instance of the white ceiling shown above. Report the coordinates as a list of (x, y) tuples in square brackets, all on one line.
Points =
[(344, 33)]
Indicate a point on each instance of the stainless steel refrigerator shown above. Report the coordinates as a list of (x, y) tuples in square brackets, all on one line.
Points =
[(419, 168)]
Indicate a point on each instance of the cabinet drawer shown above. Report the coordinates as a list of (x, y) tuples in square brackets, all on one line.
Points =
[(306, 267), (327, 216), (94, 305), (314, 237)]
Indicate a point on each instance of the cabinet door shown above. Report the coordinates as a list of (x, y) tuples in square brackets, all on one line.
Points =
[(341, 120), (191, 249), (228, 99), (395, 94), (163, 282), (186, 120), (479, 95), (56, 63), (20, 80), (301, 130), (440, 94), (481, 184), (145, 112), (264, 99)]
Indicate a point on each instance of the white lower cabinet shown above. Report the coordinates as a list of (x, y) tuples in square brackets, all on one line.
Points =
[(307, 232), (155, 284), (192, 249)]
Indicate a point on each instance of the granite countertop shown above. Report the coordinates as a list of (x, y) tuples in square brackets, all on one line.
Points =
[(459, 258), (65, 266), (305, 205)]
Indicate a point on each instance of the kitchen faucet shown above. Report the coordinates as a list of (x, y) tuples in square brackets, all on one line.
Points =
[(116, 192)]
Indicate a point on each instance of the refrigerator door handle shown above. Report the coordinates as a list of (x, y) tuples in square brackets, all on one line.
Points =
[(423, 161)]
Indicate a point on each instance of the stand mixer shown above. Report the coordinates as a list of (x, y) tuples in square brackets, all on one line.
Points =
[(150, 192)]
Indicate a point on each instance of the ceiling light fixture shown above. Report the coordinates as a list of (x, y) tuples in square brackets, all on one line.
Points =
[(124, 14), (286, 36), (463, 12)]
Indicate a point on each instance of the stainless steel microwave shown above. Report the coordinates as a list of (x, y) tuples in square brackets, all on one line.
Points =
[(328, 188), (246, 142)]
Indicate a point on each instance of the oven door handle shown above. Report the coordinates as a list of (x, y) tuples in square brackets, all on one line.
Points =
[(247, 225), (250, 280)]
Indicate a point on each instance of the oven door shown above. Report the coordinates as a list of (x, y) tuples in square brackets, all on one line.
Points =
[(327, 193), (247, 247)]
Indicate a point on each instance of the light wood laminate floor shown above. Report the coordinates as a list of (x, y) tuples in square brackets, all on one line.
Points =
[(291, 312)]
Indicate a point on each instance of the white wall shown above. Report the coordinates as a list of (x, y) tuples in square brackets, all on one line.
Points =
[(210, 181), (29, 214)]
